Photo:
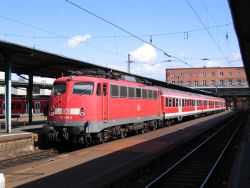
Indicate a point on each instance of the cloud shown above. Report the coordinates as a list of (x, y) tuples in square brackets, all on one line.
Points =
[(146, 53), (211, 63), (75, 41)]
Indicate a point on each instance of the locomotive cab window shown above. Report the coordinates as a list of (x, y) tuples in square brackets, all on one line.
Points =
[(83, 88), (58, 88)]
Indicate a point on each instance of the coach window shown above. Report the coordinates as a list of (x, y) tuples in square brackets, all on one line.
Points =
[(13, 106), (167, 102), (144, 93), (170, 102), (177, 102), (173, 102), (98, 89), (183, 103), (131, 92), (83, 88), (18, 106), (138, 93), (123, 92), (114, 91)]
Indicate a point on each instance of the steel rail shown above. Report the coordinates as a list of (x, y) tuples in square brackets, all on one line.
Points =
[(220, 156), (151, 184)]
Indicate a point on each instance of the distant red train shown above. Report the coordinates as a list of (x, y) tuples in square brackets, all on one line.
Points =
[(93, 108), (19, 104)]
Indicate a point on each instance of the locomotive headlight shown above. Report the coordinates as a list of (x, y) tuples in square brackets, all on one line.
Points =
[(52, 111), (81, 113)]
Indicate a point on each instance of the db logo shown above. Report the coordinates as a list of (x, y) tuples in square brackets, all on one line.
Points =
[(65, 111)]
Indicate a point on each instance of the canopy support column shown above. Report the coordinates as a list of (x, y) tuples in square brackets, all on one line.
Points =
[(7, 59), (30, 96)]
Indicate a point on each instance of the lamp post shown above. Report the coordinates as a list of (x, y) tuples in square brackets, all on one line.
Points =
[(129, 61)]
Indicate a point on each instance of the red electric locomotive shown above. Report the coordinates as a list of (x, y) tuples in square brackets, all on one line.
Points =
[(86, 108)]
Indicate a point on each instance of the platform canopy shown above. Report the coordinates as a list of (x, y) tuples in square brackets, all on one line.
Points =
[(30, 61), (240, 10)]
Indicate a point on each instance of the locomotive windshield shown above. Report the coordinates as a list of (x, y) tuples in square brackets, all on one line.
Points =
[(83, 88), (58, 88)]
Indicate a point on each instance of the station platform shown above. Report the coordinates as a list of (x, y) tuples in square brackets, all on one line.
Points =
[(102, 165), (240, 176), (23, 137)]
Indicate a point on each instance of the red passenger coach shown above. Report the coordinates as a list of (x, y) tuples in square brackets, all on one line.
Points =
[(86, 108), (19, 104)]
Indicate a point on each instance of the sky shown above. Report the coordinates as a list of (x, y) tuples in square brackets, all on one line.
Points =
[(158, 34)]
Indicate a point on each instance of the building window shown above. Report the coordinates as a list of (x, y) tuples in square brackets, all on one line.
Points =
[(238, 82), (222, 82), (222, 73), (188, 74), (238, 73), (180, 74), (188, 83), (180, 82), (212, 82), (230, 74), (204, 82), (173, 82), (204, 74), (196, 83), (212, 73), (173, 75), (196, 74), (230, 82)]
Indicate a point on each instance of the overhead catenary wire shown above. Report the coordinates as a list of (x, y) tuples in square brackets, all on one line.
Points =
[(58, 36), (126, 31), (212, 18), (205, 27)]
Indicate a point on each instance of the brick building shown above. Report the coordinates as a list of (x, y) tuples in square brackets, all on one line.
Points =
[(228, 82), (208, 77)]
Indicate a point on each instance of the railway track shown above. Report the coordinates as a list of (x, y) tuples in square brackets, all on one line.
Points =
[(196, 168), (34, 156)]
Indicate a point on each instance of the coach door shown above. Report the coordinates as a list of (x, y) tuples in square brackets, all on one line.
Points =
[(37, 107), (105, 102), (179, 105)]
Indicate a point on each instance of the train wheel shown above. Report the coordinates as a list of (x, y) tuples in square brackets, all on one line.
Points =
[(101, 138), (123, 133)]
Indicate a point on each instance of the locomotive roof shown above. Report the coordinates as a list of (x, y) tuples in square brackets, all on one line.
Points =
[(112, 81)]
